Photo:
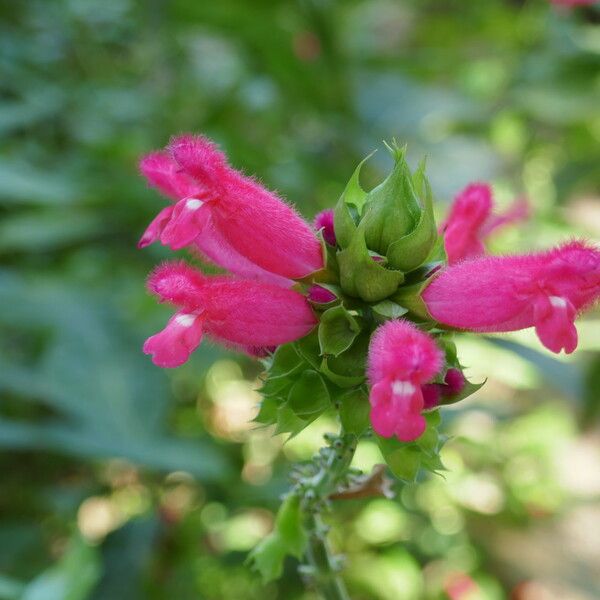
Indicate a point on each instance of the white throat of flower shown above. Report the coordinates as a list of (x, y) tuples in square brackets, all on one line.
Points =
[(557, 301), (403, 388), (193, 204)]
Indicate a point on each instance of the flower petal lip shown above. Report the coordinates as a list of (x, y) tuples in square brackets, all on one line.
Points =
[(255, 221)]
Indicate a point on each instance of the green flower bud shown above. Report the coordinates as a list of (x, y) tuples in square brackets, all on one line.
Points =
[(398, 216)]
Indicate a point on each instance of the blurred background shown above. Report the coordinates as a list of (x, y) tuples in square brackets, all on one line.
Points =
[(123, 481)]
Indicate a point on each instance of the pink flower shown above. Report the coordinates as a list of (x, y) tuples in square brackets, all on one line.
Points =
[(163, 173), (401, 359), (471, 220), (253, 220), (324, 221), (497, 294), (248, 315)]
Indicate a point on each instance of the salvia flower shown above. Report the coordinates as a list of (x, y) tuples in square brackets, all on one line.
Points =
[(471, 220), (163, 173), (497, 294), (401, 359), (247, 315), (254, 221)]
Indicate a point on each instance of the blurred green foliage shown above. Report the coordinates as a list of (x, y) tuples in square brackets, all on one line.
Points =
[(121, 481)]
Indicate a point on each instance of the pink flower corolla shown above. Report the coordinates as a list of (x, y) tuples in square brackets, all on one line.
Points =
[(401, 359), (324, 221), (471, 221), (247, 315), (496, 294), (163, 173), (254, 221)]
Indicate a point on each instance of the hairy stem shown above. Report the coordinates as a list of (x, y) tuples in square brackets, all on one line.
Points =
[(317, 489)]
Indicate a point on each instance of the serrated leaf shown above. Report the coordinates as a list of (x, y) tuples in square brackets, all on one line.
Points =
[(267, 413), (286, 361), (354, 409), (308, 348), (337, 330), (309, 395)]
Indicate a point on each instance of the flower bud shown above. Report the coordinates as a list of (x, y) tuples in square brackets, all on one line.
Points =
[(324, 222)]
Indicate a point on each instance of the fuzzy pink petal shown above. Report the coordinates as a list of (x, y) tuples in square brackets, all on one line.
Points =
[(215, 247), (519, 211), (154, 230), (163, 173), (555, 323), (399, 350), (411, 427), (173, 345), (255, 221), (382, 410), (179, 284), (187, 222)]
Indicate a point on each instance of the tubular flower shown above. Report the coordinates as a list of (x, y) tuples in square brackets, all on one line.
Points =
[(471, 220), (253, 220), (497, 294), (163, 173), (401, 359), (248, 315)]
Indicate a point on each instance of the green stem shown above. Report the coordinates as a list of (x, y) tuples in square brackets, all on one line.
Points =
[(327, 580), (326, 481)]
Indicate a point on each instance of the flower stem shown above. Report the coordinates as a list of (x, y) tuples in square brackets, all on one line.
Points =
[(326, 578), (317, 489)]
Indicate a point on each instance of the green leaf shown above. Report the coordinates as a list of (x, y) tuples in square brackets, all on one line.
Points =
[(308, 348), (348, 369), (288, 538), (337, 330), (361, 276), (267, 414), (354, 409), (309, 395), (389, 309), (351, 201), (409, 296), (72, 578), (286, 361)]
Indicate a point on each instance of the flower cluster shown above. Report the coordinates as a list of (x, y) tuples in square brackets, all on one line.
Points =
[(373, 291)]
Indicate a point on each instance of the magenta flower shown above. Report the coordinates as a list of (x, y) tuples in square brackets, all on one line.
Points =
[(248, 315), (471, 221), (496, 294), (324, 221), (163, 173), (254, 221), (435, 393), (401, 359)]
